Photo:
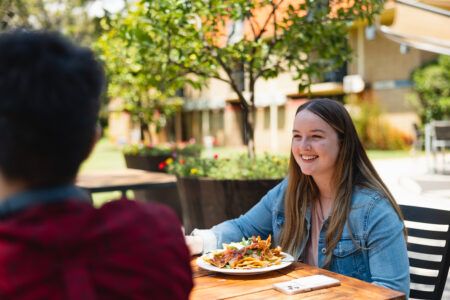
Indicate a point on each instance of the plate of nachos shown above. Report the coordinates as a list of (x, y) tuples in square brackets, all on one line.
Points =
[(247, 257)]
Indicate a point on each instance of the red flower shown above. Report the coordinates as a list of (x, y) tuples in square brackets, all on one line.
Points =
[(182, 161), (216, 156), (161, 165)]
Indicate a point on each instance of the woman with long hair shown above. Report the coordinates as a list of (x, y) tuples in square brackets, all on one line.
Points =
[(332, 211)]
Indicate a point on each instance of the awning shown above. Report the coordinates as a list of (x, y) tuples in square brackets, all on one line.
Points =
[(445, 4), (420, 26), (321, 89)]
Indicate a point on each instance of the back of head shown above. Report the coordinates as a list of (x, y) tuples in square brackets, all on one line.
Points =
[(49, 102)]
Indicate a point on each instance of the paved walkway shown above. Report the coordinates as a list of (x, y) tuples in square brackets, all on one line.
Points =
[(410, 183)]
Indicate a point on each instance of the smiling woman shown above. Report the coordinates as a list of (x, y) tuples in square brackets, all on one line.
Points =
[(333, 210), (315, 146)]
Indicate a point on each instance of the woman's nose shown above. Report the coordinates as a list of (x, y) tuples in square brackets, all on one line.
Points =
[(304, 144)]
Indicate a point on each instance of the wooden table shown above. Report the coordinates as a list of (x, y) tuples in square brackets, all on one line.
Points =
[(210, 285), (124, 180)]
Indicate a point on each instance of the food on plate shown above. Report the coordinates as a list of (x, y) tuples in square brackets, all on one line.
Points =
[(247, 254)]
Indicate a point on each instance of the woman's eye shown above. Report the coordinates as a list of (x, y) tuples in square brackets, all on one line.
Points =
[(296, 136), (316, 136)]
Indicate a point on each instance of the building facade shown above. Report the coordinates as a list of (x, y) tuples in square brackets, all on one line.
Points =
[(385, 66), (384, 55)]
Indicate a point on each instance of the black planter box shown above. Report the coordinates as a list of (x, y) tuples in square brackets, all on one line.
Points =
[(146, 163), (207, 202)]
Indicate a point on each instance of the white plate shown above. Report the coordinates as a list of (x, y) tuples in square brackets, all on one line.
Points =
[(286, 261)]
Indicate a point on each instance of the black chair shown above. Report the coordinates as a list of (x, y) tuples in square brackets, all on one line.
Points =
[(429, 259)]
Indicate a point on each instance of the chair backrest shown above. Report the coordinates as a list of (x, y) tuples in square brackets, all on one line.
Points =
[(441, 130), (428, 250)]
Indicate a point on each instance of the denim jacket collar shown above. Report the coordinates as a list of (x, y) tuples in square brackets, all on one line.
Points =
[(26, 199)]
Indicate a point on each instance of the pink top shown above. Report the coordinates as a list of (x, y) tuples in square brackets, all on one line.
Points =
[(317, 219)]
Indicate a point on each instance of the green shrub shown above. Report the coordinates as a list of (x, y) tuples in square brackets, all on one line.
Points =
[(382, 136), (190, 149), (432, 84), (238, 167), (147, 150), (373, 131)]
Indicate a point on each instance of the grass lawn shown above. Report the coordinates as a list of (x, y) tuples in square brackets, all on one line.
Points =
[(389, 154), (107, 156)]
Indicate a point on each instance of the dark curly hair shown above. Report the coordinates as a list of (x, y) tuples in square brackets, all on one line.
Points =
[(49, 103)]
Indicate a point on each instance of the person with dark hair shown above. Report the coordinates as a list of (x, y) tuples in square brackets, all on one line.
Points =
[(332, 211), (53, 243)]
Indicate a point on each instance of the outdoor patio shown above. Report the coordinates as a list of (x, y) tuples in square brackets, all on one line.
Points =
[(207, 105)]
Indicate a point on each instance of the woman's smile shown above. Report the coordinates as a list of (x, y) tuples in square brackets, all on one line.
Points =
[(315, 145), (309, 158)]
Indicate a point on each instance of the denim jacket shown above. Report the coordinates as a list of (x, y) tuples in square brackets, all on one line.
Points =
[(375, 250)]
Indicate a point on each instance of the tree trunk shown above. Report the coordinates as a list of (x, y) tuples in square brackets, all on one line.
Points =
[(145, 132), (248, 119), (251, 131), (248, 110), (251, 118)]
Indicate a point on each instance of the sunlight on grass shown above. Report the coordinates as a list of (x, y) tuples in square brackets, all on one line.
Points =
[(105, 156), (391, 154), (102, 198)]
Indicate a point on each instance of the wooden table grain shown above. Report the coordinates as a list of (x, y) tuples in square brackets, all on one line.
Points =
[(209, 285)]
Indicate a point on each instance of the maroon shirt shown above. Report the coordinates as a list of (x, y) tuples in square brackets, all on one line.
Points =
[(70, 250)]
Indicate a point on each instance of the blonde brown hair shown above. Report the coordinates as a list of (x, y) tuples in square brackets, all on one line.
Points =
[(353, 168)]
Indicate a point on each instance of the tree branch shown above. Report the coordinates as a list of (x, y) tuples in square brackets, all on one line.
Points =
[(275, 25), (231, 34), (189, 70), (252, 27), (233, 84), (261, 72), (272, 13)]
